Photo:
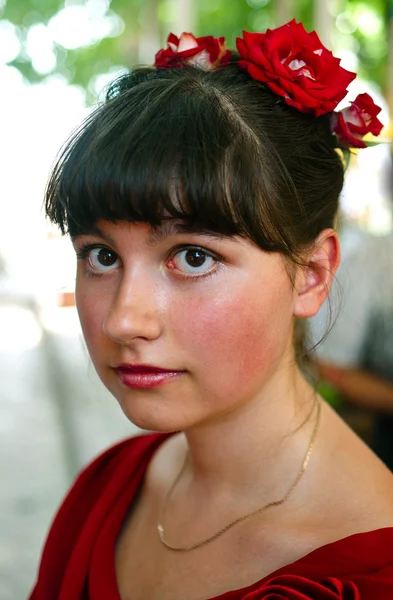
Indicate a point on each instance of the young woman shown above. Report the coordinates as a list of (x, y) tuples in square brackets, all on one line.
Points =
[(201, 199)]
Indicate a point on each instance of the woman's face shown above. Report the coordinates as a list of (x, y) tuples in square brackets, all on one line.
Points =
[(214, 312)]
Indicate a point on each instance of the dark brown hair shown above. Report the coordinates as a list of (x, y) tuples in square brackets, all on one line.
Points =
[(217, 149)]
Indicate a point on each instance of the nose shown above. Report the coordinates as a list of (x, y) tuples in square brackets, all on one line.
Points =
[(134, 313)]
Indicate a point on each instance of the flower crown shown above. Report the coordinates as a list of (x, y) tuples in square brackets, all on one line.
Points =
[(295, 65)]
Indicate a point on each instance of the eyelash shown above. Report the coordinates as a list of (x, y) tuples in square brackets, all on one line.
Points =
[(83, 255)]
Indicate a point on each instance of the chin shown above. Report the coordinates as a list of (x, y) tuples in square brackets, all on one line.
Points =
[(149, 418)]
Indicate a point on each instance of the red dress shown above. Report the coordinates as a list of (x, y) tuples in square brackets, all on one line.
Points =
[(78, 557)]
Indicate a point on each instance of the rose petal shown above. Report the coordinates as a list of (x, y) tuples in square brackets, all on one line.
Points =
[(253, 38), (298, 105), (257, 56), (257, 72), (187, 42), (345, 137), (277, 89), (173, 40), (242, 48)]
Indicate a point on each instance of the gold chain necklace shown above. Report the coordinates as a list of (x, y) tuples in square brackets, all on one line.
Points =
[(160, 527)]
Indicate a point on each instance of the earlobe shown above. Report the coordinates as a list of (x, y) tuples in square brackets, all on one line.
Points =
[(315, 279)]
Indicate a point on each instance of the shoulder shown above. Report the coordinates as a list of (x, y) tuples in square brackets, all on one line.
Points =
[(354, 487), (347, 491)]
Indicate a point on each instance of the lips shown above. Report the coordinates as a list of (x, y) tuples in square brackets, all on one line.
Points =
[(142, 369), (145, 376)]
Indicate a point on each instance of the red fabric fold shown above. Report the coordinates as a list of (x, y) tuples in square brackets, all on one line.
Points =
[(78, 557)]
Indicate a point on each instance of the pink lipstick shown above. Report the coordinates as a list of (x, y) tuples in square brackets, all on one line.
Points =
[(145, 376)]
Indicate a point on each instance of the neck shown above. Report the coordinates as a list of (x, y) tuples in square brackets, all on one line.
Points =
[(259, 447)]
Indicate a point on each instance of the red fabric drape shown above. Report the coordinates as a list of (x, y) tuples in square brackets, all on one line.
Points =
[(78, 557)]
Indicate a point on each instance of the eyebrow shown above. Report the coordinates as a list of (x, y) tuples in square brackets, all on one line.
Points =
[(95, 230), (167, 228), (172, 227)]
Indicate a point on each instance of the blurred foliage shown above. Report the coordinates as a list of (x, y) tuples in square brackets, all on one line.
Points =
[(369, 40), (330, 394), (361, 27)]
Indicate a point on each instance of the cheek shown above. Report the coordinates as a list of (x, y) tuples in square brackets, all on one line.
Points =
[(238, 335), (90, 309)]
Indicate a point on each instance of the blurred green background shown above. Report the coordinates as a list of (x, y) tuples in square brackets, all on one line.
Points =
[(83, 40)]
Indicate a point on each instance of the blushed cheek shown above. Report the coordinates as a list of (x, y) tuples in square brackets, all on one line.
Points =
[(235, 340)]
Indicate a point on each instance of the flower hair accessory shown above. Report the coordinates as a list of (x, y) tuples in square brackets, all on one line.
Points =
[(351, 124), (293, 64), (205, 52), (296, 65)]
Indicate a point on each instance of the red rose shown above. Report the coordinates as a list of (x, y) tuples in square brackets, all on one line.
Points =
[(353, 123), (295, 65), (294, 587), (207, 52)]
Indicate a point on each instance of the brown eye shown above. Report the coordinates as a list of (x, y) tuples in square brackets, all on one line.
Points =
[(195, 258), (103, 259), (194, 261)]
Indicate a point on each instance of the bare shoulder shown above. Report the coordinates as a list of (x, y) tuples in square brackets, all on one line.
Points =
[(359, 487)]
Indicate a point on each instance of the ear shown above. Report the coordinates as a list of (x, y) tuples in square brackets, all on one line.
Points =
[(313, 281)]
